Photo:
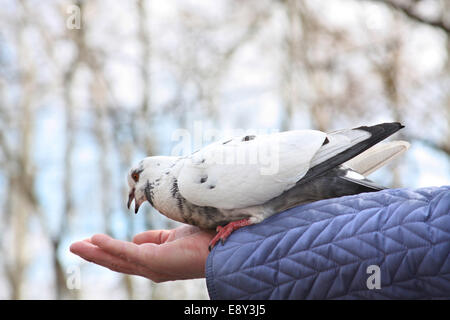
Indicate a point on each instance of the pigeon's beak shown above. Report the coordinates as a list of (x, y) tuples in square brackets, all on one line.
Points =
[(137, 203), (130, 198), (136, 206)]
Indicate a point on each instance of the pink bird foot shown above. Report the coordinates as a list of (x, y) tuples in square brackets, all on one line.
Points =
[(224, 232)]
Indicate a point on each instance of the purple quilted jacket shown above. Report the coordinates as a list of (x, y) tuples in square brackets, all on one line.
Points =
[(392, 244)]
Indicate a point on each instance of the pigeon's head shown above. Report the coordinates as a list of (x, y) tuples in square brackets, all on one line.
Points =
[(145, 175)]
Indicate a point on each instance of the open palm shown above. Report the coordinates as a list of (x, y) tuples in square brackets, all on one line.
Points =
[(159, 255)]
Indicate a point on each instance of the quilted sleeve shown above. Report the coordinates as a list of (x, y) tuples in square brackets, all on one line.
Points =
[(392, 244)]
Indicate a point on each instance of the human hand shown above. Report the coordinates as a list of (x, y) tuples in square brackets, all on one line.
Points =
[(159, 255)]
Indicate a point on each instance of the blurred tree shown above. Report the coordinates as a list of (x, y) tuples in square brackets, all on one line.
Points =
[(136, 70), (411, 8)]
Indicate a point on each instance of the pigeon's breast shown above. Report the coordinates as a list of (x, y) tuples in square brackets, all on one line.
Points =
[(166, 198)]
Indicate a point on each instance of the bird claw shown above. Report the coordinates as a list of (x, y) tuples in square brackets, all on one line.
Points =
[(224, 232)]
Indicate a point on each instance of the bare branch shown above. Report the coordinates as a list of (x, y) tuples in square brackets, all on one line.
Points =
[(409, 10)]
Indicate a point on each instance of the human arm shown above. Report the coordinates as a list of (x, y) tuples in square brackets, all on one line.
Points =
[(331, 249)]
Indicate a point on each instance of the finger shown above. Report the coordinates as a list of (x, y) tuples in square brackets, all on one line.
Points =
[(125, 250), (152, 236), (94, 254)]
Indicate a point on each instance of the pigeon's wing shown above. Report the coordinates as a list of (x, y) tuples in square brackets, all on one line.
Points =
[(344, 145), (377, 156), (328, 177), (252, 170), (248, 170)]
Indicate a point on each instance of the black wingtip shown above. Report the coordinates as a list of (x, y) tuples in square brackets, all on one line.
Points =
[(397, 124), (388, 127), (377, 132)]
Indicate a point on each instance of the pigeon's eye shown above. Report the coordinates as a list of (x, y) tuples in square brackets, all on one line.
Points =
[(135, 176)]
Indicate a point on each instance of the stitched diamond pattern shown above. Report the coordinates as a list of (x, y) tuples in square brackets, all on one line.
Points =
[(322, 250)]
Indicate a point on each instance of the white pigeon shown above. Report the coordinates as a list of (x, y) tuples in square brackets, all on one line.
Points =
[(241, 181)]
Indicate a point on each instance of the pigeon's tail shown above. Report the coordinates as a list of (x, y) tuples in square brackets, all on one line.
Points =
[(343, 145), (377, 156)]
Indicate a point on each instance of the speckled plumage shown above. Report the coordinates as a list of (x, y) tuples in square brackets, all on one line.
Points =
[(202, 191)]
